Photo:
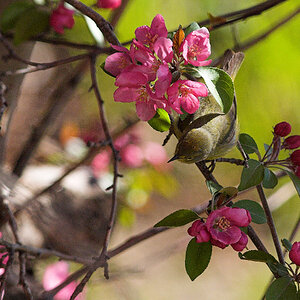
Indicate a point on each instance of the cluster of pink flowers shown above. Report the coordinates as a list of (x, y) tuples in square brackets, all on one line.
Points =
[(61, 18), (132, 154), (281, 141), (144, 73), (222, 228), (54, 275), (294, 254)]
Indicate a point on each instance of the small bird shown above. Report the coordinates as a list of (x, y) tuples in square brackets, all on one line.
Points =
[(209, 133)]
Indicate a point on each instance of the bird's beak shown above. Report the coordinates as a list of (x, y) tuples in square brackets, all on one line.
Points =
[(173, 158)]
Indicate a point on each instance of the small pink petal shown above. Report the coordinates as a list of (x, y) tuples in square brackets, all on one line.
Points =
[(126, 94), (145, 110)]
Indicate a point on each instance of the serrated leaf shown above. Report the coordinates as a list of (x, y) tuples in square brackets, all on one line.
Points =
[(256, 211), (295, 180), (258, 256), (219, 84), (178, 218), (197, 258), (12, 13), (192, 27), (30, 24), (213, 187), (282, 288), (287, 244), (161, 121), (251, 176), (248, 143), (270, 179)]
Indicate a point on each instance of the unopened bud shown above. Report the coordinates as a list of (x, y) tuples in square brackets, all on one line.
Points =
[(292, 142), (295, 158), (282, 129), (294, 254)]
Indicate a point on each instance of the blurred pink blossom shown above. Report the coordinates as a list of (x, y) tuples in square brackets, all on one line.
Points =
[(61, 18), (155, 154), (132, 156), (54, 275), (113, 4), (196, 48), (100, 163)]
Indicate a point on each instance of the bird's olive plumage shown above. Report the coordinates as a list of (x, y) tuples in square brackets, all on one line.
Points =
[(216, 137)]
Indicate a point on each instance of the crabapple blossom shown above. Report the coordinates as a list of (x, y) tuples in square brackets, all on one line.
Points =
[(148, 35), (54, 275), (199, 230), (291, 142), (100, 163), (132, 156), (61, 18), (113, 4), (282, 129), (223, 224), (294, 254), (196, 48), (241, 244), (184, 94), (155, 154)]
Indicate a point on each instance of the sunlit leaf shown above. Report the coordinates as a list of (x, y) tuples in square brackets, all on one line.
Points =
[(161, 121)]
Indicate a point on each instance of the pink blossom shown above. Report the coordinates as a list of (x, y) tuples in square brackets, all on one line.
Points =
[(100, 163), (61, 18), (5, 259), (196, 48), (122, 141), (184, 94), (133, 87), (155, 154), (223, 224), (199, 230), (132, 156), (148, 35), (218, 243), (113, 4), (294, 254), (54, 275), (241, 244)]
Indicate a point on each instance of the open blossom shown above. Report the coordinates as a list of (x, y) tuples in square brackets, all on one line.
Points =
[(54, 275), (223, 224), (112, 4), (199, 230), (294, 254), (196, 48), (61, 18), (134, 87), (282, 129), (184, 94), (148, 35)]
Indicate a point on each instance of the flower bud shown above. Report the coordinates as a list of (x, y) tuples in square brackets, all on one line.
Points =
[(292, 142), (295, 253), (109, 3), (241, 244), (282, 129), (61, 18), (295, 158)]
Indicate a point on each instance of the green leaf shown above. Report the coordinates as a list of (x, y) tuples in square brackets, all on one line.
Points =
[(270, 179), (251, 176), (213, 187), (192, 27), (258, 256), (248, 143), (161, 121), (295, 180), (256, 211), (282, 288), (178, 218), (31, 24), (219, 84), (286, 244), (12, 13), (197, 258)]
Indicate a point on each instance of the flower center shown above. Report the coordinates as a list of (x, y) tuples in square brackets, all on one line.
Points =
[(143, 95), (222, 224), (183, 91)]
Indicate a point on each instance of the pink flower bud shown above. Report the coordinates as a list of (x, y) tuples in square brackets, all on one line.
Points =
[(109, 3), (292, 142), (132, 156), (199, 230), (294, 254), (282, 129), (60, 18), (100, 163), (295, 158), (241, 244)]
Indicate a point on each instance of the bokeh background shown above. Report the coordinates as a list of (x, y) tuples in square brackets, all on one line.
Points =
[(268, 90)]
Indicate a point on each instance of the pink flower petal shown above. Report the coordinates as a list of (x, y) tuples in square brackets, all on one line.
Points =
[(158, 26), (163, 48), (131, 79), (126, 94), (116, 63), (145, 110), (190, 104)]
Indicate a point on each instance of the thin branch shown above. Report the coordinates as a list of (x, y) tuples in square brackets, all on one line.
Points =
[(238, 162), (101, 23), (270, 223)]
